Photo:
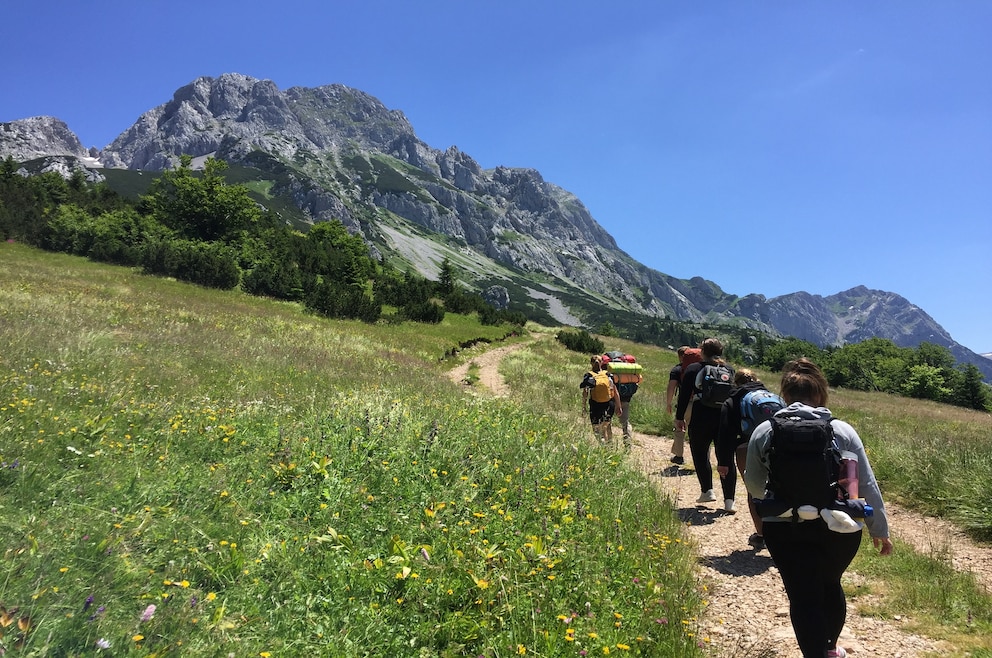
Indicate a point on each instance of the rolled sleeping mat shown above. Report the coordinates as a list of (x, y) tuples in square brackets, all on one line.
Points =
[(622, 367), (627, 378)]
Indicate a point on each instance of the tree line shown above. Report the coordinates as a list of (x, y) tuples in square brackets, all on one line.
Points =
[(195, 227), (926, 372)]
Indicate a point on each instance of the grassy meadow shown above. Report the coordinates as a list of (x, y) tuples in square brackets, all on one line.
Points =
[(186, 471)]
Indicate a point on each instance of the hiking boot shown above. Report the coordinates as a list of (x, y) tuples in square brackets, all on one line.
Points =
[(677, 460), (706, 497), (837, 653), (757, 541), (730, 506)]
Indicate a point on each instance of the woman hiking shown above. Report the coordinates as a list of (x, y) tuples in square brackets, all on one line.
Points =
[(707, 393), (810, 552)]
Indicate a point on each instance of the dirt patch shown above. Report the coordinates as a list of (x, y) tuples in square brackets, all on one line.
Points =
[(747, 611), (490, 381)]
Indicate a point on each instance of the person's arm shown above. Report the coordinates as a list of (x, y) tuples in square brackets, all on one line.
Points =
[(878, 522), (756, 467), (686, 390), (726, 438), (618, 403), (673, 384)]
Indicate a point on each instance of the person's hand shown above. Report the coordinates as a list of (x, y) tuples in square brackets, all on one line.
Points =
[(722, 470), (883, 544), (680, 426)]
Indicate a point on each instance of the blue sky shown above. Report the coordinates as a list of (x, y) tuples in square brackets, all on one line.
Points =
[(767, 146)]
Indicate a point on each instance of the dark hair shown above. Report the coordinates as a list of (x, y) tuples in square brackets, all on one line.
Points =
[(803, 381)]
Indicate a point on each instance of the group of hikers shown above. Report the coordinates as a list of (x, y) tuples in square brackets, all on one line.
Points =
[(810, 488)]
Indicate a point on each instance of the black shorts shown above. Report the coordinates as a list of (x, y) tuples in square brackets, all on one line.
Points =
[(600, 412)]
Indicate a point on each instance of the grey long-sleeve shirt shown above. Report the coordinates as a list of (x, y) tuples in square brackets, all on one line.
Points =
[(846, 439)]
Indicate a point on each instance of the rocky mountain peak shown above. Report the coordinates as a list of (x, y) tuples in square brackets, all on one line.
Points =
[(27, 139), (236, 114)]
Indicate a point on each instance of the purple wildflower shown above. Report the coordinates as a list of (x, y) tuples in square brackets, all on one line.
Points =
[(148, 613), (88, 602)]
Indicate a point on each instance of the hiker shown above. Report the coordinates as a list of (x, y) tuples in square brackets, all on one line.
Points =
[(737, 423), (627, 384), (601, 399), (810, 556), (707, 384), (674, 379)]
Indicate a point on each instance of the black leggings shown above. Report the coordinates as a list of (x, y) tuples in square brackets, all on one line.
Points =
[(811, 559), (702, 434)]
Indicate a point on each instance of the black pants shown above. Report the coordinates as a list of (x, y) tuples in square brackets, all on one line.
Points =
[(811, 559), (703, 430)]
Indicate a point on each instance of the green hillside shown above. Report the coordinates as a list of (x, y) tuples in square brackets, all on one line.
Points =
[(187, 471), (194, 472)]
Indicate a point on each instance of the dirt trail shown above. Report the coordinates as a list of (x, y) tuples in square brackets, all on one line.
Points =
[(747, 612), (490, 380)]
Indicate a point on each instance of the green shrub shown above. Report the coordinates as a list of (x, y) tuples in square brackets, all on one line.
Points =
[(428, 312), (581, 341)]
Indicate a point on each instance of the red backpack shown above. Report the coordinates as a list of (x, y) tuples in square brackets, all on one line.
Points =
[(690, 356)]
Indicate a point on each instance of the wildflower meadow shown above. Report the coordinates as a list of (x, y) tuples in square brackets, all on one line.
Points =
[(193, 472)]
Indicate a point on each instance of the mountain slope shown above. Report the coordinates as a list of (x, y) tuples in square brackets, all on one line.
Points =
[(338, 153)]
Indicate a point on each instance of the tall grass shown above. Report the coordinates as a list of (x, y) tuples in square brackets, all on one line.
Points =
[(937, 458), (191, 472)]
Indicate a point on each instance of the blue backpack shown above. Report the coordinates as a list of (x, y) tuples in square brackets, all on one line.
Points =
[(757, 407)]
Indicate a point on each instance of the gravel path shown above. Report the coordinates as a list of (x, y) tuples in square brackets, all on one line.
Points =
[(747, 612)]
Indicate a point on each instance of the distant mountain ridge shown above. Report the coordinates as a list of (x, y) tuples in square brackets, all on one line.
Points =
[(339, 153)]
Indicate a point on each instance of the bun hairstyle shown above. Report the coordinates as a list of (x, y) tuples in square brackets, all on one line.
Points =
[(803, 381), (744, 376), (712, 349)]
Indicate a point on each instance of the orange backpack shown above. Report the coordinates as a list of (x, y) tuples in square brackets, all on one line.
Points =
[(690, 356)]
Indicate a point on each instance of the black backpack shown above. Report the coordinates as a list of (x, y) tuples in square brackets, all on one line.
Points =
[(803, 465), (714, 382)]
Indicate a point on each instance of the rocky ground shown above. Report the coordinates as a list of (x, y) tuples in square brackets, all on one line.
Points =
[(747, 611)]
